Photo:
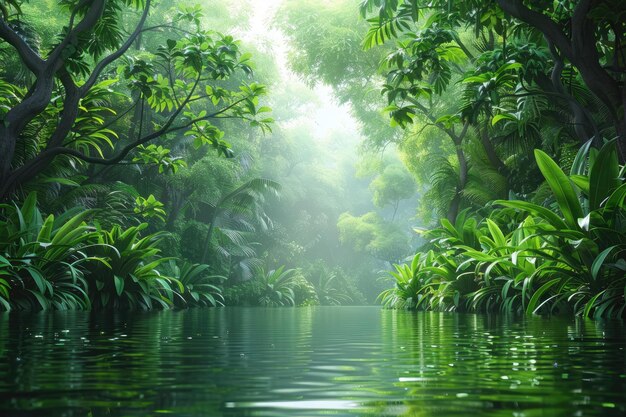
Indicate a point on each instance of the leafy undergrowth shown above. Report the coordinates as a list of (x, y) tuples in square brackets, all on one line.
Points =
[(566, 256), (65, 263)]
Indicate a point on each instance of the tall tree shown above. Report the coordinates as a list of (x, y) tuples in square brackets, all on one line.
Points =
[(591, 36), (61, 110)]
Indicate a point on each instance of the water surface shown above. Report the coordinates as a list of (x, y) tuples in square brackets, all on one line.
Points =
[(321, 361)]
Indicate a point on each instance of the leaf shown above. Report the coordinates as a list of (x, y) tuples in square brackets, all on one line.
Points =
[(582, 182), (476, 79), (59, 180), (496, 233), (616, 200), (502, 116), (561, 188), (604, 175), (119, 284), (591, 303), (599, 261), (537, 295), (578, 166), (70, 226), (536, 210), (38, 279), (46, 230), (30, 205), (40, 298)]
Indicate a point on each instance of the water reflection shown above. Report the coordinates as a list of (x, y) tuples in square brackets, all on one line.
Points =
[(308, 362)]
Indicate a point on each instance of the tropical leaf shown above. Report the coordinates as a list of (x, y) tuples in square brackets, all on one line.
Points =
[(561, 187)]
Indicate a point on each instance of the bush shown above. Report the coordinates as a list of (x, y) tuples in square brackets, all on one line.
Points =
[(64, 263), (570, 256)]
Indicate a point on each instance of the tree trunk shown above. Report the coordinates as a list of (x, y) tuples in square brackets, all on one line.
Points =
[(579, 46), (492, 155), (455, 204), (207, 239), (7, 150)]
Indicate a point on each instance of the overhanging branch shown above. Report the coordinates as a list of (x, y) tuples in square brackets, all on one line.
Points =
[(117, 54), (30, 58)]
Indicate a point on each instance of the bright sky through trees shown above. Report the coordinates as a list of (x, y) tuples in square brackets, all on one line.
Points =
[(326, 116)]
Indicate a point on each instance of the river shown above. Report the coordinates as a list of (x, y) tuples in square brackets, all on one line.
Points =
[(317, 361)]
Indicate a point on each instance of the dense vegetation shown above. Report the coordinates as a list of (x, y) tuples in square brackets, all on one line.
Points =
[(537, 82), (497, 100), (140, 166), (118, 184)]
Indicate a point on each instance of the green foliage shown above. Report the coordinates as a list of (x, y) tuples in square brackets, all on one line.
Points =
[(392, 185), (550, 261), (373, 235), (246, 293), (330, 291), (277, 287), (130, 278), (294, 287), (149, 207), (169, 87), (500, 77), (159, 156), (61, 262), (201, 288), (42, 265)]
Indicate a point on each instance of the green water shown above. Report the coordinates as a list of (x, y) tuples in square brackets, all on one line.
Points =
[(333, 361)]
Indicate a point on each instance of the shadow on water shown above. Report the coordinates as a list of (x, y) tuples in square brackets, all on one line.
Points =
[(340, 361)]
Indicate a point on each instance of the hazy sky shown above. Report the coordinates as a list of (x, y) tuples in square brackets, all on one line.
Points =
[(329, 116)]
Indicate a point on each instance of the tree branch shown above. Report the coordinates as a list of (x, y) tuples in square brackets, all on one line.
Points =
[(30, 58), (517, 9), (115, 55), (55, 59), (69, 113)]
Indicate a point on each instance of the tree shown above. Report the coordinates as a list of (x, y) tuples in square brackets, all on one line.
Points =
[(589, 34), (514, 91), (326, 41), (374, 236), (391, 186), (62, 110), (554, 43)]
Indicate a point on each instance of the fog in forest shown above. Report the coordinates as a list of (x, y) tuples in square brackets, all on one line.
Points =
[(310, 208), (347, 205)]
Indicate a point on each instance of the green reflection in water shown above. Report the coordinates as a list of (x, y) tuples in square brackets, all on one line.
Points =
[(341, 361)]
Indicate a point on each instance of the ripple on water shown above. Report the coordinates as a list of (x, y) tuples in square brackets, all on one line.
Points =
[(343, 361)]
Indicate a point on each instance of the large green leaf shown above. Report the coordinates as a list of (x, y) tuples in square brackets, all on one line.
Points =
[(497, 234), (591, 303), (604, 175), (579, 165), (64, 235), (561, 188), (536, 210), (537, 295), (46, 230), (599, 261), (616, 200), (119, 284)]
